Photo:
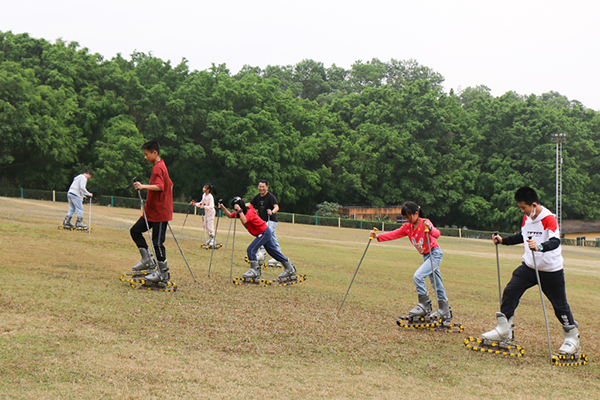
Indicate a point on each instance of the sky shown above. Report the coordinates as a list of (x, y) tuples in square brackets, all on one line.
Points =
[(527, 46)]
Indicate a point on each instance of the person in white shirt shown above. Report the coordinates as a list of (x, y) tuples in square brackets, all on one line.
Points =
[(77, 192), (541, 238)]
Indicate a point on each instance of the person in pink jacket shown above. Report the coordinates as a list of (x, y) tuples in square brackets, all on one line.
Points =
[(414, 229)]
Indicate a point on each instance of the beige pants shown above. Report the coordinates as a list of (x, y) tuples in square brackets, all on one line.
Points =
[(209, 221)]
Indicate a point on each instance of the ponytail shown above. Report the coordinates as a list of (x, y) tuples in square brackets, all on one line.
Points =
[(410, 208)]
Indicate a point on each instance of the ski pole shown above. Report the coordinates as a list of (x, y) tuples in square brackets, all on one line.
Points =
[(433, 282), (186, 215), (537, 275), (214, 244), (232, 250), (227, 241), (498, 266), (356, 272), (181, 251), (147, 226), (203, 223), (90, 222)]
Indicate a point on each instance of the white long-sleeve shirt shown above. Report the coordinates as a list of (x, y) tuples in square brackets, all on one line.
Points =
[(78, 186)]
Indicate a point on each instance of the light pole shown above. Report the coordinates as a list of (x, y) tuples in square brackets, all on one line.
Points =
[(559, 139)]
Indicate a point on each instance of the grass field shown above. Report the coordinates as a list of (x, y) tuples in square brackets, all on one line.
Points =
[(71, 330)]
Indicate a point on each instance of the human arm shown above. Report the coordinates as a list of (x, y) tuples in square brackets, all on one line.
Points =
[(395, 234), (274, 210), (139, 186), (550, 245), (434, 232), (512, 239), (226, 211)]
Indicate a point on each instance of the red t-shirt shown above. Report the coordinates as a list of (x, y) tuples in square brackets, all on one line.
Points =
[(254, 223), (416, 235), (159, 205)]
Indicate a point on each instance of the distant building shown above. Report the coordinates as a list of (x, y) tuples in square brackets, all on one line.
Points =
[(576, 228), (394, 213)]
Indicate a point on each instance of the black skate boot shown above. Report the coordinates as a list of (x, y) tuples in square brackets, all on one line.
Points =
[(145, 263), (67, 223), (79, 225)]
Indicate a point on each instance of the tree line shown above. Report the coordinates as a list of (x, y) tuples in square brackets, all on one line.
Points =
[(379, 133)]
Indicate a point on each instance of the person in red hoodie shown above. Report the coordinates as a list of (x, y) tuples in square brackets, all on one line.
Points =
[(259, 229), (415, 230)]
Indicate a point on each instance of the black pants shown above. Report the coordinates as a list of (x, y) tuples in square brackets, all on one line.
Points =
[(553, 286), (158, 236)]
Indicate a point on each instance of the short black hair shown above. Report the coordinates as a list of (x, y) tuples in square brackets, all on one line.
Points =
[(264, 181), (526, 195), (89, 172), (151, 145)]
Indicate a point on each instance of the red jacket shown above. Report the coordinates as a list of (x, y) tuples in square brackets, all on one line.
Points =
[(416, 235), (254, 223)]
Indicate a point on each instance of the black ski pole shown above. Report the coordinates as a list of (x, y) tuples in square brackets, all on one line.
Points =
[(537, 275), (227, 241), (147, 226), (232, 250), (186, 215), (356, 272), (498, 266), (181, 251), (215, 243)]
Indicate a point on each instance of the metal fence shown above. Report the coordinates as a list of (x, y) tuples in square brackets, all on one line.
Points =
[(134, 202)]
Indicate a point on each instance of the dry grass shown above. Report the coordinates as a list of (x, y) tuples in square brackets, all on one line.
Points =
[(70, 329)]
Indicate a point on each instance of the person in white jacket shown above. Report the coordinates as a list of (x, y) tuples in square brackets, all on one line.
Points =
[(77, 192), (540, 236)]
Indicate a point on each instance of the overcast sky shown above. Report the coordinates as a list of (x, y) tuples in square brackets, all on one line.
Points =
[(528, 46)]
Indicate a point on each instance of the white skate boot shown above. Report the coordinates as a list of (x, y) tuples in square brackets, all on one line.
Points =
[(503, 332), (145, 262), (571, 344), (161, 275)]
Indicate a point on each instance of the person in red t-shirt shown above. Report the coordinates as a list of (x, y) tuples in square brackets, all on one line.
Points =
[(158, 210), (259, 229), (415, 230)]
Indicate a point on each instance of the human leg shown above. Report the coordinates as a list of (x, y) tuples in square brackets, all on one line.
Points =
[(553, 286)]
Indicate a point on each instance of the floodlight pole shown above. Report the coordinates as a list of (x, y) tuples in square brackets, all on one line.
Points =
[(559, 139)]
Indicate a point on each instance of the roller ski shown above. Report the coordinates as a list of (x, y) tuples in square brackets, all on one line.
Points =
[(499, 340), (158, 280), (144, 267), (289, 276), (67, 225), (569, 354), (211, 243), (252, 277), (422, 317)]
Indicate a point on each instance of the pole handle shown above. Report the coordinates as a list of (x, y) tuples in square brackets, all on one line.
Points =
[(372, 232)]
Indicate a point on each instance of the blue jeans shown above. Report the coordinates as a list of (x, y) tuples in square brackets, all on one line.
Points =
[(424, 271), (75, 204), (272, 225), (265, 239)]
